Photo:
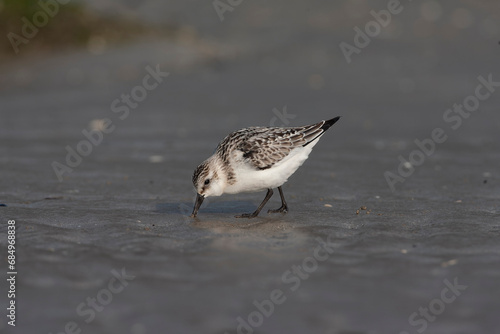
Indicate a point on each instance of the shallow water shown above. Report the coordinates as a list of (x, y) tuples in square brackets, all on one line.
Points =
[(127, 204)]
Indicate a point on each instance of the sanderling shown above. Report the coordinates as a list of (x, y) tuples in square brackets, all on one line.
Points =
[(254, 159)]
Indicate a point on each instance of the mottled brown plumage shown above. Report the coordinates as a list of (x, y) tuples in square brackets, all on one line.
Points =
[(263, 147)]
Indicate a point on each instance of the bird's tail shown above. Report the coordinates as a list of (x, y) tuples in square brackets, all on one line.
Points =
[(329, 123), (316, 130)]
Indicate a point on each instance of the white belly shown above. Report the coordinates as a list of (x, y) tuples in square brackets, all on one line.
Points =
[(251, 180)]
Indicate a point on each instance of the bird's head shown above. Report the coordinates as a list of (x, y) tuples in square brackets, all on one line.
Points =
[(208, 180)]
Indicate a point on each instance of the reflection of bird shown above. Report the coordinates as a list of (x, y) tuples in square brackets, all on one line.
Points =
[(254, 159)]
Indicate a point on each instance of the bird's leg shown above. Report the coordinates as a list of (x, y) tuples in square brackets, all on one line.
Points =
[(284, 207), (256, 212)]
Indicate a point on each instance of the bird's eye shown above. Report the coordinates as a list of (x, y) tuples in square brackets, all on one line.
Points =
[(207, 181)]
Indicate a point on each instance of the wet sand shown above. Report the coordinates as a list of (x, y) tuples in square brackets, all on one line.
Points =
[(126, 205)]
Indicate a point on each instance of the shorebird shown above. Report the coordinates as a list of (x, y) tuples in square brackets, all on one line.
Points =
[(255, 159)]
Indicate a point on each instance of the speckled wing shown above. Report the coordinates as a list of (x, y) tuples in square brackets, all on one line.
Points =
[(264, 147)]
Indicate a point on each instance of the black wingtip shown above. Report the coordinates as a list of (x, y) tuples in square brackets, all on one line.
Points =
[(329, 123)]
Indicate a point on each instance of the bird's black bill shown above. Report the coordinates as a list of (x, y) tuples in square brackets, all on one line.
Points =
[(197, 204)]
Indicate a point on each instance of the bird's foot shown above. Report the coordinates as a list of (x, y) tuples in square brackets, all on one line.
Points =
[(248, 215), (283, 209)]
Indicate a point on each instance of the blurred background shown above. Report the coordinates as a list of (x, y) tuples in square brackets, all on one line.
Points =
[(98, 144)]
